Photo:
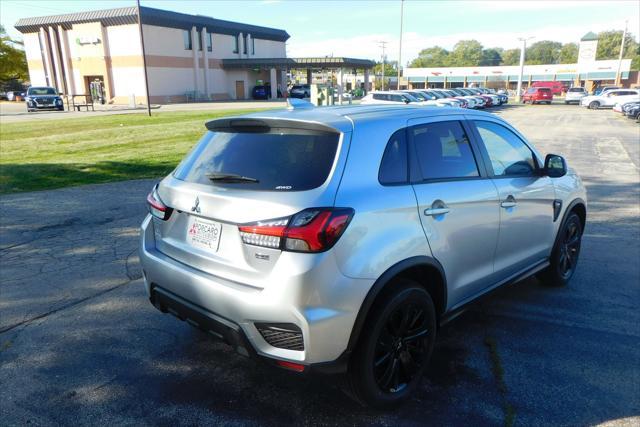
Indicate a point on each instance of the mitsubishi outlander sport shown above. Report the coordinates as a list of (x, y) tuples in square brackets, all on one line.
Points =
[(339, 239)]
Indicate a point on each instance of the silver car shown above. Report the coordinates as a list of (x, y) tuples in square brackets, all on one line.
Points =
[(339, 239)]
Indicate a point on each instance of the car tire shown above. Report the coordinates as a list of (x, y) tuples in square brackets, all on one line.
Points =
[(565, 254), (395, 346), (594, 105)]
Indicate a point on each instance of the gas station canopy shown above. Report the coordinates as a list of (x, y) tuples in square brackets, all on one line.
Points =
[(321, 62)]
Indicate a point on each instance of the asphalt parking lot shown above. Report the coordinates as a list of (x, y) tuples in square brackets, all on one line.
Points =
[(79, 341)]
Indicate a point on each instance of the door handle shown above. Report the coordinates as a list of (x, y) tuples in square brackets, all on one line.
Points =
[(510, 202), (436, 211)]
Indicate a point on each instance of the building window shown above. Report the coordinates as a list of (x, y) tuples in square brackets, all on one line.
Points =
[(245, 44), (237, 40), (209, 42), (199, 33), (186, 35), (253, 46)]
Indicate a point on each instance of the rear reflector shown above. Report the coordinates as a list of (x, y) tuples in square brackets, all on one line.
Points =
[(297, 367), (312, 230)]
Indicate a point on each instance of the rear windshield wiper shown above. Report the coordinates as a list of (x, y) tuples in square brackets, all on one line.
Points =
[(230, 177)]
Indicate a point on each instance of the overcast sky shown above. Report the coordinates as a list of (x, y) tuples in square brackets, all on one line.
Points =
[(354, 28)]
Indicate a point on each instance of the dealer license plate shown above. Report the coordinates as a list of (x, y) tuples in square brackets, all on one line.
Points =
[(204, 234)]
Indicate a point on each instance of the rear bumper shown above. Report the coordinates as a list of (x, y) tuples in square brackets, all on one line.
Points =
[(311, 294)]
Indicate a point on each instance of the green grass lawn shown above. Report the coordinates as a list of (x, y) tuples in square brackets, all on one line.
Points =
[(39, 155)]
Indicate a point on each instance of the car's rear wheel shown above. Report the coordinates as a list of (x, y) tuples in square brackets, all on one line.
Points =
[(594, 105), (395, 348), (564, 257)]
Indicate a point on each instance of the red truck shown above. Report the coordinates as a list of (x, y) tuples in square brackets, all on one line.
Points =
[(556, 87)]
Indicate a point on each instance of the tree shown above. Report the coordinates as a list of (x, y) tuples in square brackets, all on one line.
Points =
[(511, 57), (431, 57), (466, 53), (491, 56), (13, 61), (568, 54), (543, 52), (609, 45)]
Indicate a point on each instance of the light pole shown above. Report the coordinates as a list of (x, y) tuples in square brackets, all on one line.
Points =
[(624, 34), (400, 49), (524, 47), (144, 59), (383, 45)]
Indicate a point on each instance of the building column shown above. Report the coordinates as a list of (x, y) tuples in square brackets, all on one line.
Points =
[(309, 76), (444, 84), (48, 66), (59, 83), (205, 68), (283, 79), (66, 60), (366, 81), (194, 49), (273, 79), (340, 85), (240, 45), (249, 53)]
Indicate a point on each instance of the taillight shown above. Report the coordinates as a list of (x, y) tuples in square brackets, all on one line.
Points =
[(312, 230), (156, 207)]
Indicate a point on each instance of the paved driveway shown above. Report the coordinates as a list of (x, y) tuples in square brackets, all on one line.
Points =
[(79, 341)]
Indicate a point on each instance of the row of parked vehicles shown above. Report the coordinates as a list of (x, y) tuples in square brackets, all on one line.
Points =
[(623, 101), (474, 98)]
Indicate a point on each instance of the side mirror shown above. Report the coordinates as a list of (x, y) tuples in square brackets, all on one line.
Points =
[(555, 166)]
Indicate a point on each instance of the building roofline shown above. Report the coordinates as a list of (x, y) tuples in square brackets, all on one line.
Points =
[(589, 36), (151, 16)]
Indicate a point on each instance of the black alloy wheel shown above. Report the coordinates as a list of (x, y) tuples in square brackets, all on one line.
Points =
[(570, 248), (395, 347)]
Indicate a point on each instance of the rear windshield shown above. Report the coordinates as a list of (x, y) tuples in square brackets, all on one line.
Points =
[(576, 89), (281, 159), (544, 89)]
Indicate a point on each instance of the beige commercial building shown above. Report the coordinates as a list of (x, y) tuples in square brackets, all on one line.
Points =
[(101, 51)]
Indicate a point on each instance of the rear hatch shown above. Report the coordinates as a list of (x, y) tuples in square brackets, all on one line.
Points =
[(243, 171)]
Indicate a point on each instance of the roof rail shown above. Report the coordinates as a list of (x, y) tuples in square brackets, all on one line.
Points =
[(298, 104)]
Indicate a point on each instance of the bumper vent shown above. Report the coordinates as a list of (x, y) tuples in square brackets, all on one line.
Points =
[(282, 335)]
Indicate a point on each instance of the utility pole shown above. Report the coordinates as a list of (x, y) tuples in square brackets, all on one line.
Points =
[(400, 49), (624, 34), (144, 59), (383, 45), (524, 47)]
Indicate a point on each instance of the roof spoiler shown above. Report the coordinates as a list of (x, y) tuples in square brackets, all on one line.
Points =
[(264, 124)]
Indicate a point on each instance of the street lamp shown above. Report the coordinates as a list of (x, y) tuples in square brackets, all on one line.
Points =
[(524, 47)]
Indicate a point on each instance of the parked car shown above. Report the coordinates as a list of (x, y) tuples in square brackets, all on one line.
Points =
[(395, 98), (337, 240), (429, 98), (603, 89), (575, 94), (480, 102), (43, 98), (609, 98), (300, 91), (556, 87), (260, 92), (622, 108), (633, 112), (537, 94)]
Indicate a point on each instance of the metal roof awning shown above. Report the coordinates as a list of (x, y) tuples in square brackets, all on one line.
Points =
[(320, 62)]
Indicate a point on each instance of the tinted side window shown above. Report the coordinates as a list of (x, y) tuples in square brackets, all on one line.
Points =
[(397, 98), (393, 168), (443, 151), (380, 97), (508, 154)]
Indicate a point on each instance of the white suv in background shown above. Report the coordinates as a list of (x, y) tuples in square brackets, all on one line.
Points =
[(610, 98), (575, 94)]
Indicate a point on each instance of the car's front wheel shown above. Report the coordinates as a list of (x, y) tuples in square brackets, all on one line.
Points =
[(564, 257), (395, 348), (594, 105)]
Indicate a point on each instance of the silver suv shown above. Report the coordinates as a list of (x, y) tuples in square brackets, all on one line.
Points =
[(338, 239)]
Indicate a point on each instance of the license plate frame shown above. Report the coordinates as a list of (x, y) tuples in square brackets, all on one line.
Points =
[(204, 233)]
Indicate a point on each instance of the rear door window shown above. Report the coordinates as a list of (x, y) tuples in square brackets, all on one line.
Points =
[(280, 159), (443, 151)]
